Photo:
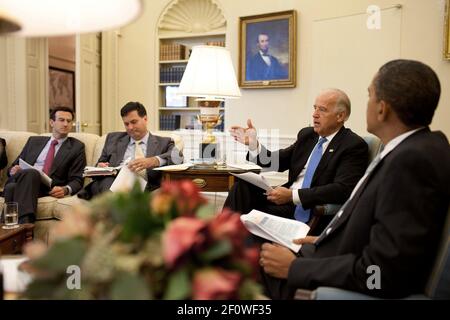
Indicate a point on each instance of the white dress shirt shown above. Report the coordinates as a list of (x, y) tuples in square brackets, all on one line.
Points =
[(129, 153)]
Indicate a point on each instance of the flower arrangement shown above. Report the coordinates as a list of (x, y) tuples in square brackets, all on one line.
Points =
[(165, 245)]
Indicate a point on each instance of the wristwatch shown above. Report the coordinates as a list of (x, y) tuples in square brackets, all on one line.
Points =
[(66, 190)]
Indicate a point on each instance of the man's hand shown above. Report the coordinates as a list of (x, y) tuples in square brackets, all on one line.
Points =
[(15, 169), (305, 240), (143, 163), (280, 195), (276, 260), (103, 164), (57, 192), (246, 136)]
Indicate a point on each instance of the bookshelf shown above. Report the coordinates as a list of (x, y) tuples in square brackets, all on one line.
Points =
[(174, 54), (182, 25)]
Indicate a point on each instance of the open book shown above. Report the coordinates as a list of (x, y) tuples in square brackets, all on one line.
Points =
[(44, 178), (98, 171), (276, 229)]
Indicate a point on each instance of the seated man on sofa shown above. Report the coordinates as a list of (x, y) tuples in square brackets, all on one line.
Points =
[(144, 150), (61, 157)]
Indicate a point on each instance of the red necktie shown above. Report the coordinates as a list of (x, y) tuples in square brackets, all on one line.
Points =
[(50, 156)]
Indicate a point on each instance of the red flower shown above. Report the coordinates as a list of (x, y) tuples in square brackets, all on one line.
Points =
[(181, 235), (228, 225), (209, 284), (186, 195)]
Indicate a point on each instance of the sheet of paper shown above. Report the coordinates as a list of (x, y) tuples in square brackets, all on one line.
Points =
[(254, 179), (44, 178), (175, 167), (274, 228), (244, 166), (125, 181)]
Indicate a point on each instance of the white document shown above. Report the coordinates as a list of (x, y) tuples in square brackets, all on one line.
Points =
[(44, 178), (125, 181), (175, 167), (280, 230), (14, 280), (100, 171), (244, 166), (254, 179)]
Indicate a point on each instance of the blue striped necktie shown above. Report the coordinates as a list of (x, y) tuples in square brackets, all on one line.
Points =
[(302, 214)]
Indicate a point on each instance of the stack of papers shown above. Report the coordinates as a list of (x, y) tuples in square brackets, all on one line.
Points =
[(98, 171), (175, 167)]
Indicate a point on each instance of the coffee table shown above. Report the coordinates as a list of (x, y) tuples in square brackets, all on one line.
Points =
[(12, 240)]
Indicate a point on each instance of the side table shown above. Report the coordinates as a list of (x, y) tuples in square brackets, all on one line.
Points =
[(12, 240), (208, 180)]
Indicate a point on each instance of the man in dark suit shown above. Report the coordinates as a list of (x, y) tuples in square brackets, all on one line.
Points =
[(61, 157), (264, 66), (394, 218), (3, 157), (119, 147), (324, 164)]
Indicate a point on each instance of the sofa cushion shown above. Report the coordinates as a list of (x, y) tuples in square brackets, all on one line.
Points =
[(65, 204), (45, 208)]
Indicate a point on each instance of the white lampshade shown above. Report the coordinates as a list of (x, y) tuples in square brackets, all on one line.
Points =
[(64, 17), (209, 74)]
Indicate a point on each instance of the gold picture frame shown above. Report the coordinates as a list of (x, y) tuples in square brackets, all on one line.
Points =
[(268, 50), (447, 31)]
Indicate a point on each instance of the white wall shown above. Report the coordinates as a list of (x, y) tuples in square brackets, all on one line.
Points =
[(421, 38)]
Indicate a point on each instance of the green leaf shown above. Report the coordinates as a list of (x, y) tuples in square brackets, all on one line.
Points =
[(179, 286), (130, 287), (216, 251), (61, 255), (250, 290), (206, 212)]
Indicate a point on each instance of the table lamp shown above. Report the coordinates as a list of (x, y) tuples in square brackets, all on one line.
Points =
[(210, 77), (39, 18)]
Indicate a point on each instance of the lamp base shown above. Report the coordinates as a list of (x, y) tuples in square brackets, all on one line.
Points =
[(208, 150)]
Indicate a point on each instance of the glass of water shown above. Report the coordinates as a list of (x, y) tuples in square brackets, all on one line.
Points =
[(11, 215)]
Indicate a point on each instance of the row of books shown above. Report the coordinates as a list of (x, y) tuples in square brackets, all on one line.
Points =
[(171, 74), (169, 122), (172, 51), (216, 43)]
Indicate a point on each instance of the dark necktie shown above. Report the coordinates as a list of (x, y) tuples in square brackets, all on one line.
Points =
[(302, 214), (355, 194), (50, 156)]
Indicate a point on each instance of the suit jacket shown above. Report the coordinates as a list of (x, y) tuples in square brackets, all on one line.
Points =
[(339, 170), (3, 157), (257, 69), (393, 221), (68, 164), (116, 145)]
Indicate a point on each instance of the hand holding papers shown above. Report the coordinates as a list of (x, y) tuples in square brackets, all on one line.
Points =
[(280, 230), (255, 179), (44, 178)]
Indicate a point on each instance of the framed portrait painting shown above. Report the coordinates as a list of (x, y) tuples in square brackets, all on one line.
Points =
[(447, 31), (268, 50), (61, 88)]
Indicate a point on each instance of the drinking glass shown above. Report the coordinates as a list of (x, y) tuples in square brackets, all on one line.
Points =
[(11, 215)]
